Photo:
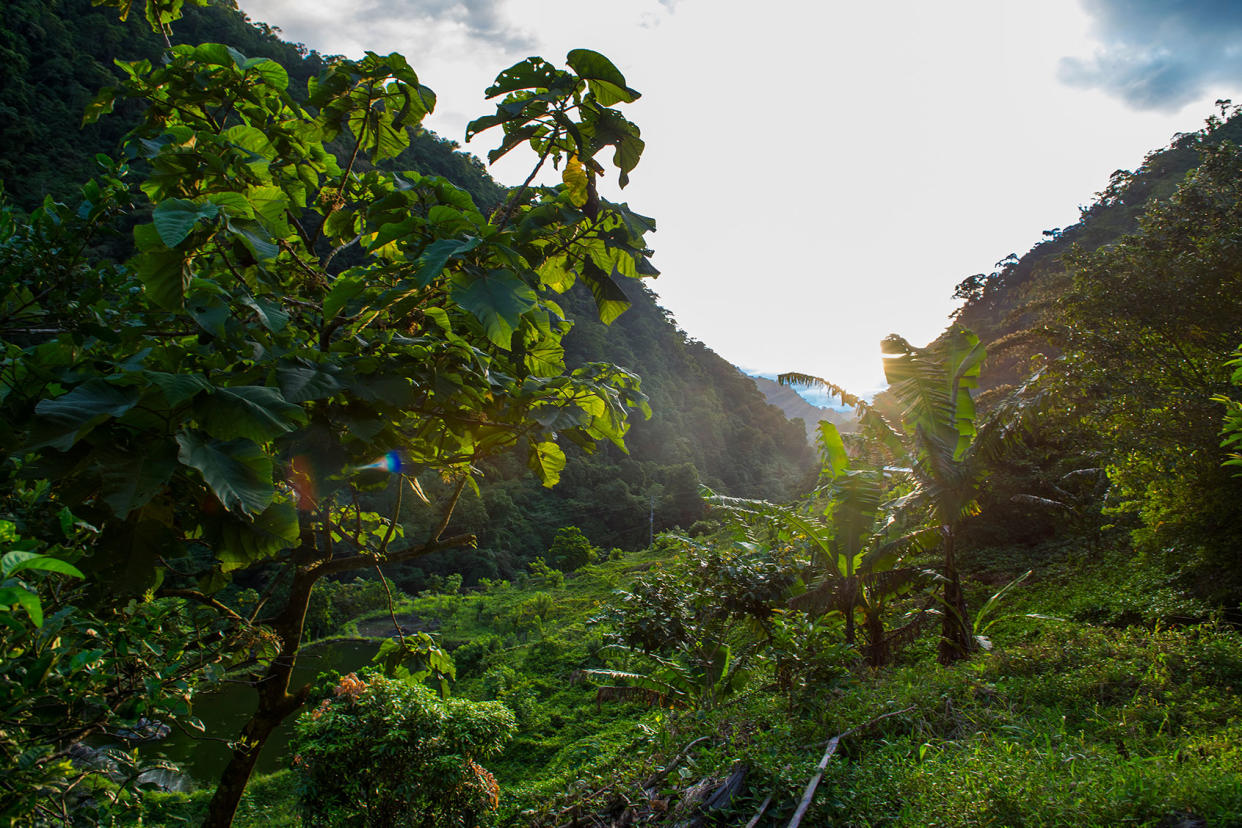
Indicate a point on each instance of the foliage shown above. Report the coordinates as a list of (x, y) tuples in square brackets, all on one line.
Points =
[(932, 390), (386, 752), (1231, 431), (1147, 379), (699, 623), (118, 675)]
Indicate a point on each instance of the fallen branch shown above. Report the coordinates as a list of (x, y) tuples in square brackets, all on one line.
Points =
[(759, 814), (823, 765)]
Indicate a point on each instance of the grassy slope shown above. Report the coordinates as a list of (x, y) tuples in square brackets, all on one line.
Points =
[(1070, 721)]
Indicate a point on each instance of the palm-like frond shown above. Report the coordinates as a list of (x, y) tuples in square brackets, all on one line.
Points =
[(797, 380)]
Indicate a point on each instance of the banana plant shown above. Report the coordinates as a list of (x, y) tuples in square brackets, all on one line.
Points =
[(936, 440), (857, 546)]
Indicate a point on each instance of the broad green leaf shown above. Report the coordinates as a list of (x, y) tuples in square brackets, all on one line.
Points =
[(532, 73), (255, 238), (343, 289), (270, 204), (256, 412), (603, 78), (610, 128), (231, 203), (162, 270), (177, 388), (174, 218), (65, 419), (556, 274), (547, 460), (435, 258), (214, 54), (273, 74), (832, 452), (240, 543), (498, 301), (250, 139), (131, 480), (41, 563), (610, 300), (269, 312), (237, 471), (26, 599), (12, 561), (208, 309), (302, 383)]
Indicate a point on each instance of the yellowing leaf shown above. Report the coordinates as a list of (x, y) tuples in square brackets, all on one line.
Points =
[(575, 178)]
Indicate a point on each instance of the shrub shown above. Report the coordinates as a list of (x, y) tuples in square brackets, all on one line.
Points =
[(571, 550), (383, 752)]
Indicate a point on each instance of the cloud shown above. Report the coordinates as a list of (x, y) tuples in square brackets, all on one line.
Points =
[(480, 20), (1159, 54), (420, 26)]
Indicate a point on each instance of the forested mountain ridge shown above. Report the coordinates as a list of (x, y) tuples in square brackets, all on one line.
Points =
[(709, 425), (1119, 332), (1012, 307), (795, 407)]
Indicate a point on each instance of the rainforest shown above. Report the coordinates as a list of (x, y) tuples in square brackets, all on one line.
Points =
[(344, 485)]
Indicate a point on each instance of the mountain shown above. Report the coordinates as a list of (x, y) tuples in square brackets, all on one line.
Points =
[(1011, 307), (794, 406)]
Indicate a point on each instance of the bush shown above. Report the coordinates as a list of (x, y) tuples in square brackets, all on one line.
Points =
[(470, 658), (571, 550), (382, 752)]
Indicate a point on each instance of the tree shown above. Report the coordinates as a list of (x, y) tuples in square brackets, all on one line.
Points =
[(696, 624), (571, 549), (1147, 328), (856, 539), (295, 329), (932, 386)]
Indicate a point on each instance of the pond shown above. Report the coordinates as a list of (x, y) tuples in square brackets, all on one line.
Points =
[(226, 710)]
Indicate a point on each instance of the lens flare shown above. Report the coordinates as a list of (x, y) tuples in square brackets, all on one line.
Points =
[(390, 462)]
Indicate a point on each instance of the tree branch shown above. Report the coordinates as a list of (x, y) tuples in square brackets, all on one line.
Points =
[(823, 765), (202, 598), (448, 513), (359, 561)]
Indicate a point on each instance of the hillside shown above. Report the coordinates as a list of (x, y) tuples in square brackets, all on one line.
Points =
[(1073, 718), (1014, 308)]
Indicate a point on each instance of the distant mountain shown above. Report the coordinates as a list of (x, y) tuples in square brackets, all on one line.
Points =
[(794, 406)]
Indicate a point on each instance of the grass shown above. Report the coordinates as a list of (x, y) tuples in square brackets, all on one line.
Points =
[(1112, 715)]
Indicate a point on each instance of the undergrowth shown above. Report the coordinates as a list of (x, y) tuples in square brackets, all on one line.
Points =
[(1095, 707)]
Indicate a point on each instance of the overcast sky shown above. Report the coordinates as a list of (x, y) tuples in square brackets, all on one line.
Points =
[(825, 173)]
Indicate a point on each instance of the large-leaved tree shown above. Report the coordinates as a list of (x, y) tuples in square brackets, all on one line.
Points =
[(296, 326)]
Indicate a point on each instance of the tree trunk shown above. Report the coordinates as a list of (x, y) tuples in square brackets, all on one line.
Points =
[(276, 704), (956, 640), (851, 599), (877, 644)]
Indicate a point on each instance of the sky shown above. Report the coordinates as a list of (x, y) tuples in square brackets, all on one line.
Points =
[(823, 174)]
